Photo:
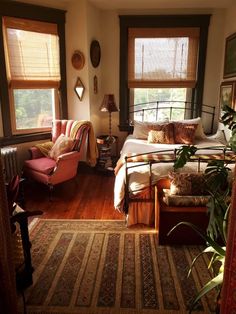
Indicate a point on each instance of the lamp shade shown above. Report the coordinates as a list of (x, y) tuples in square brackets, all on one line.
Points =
[(79, 88), (108, 103)]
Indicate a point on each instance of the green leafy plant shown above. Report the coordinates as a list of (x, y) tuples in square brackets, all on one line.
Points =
[(229, 119), (218, 186), (216, 264), (183, 155)]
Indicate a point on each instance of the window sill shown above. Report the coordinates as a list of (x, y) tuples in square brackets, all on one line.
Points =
[(24, 138)]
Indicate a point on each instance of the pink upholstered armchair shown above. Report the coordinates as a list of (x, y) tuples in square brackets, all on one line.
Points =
[(52, 171)]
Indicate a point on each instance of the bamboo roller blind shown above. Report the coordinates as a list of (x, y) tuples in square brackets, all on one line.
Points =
[(162, 57), (32, 51)]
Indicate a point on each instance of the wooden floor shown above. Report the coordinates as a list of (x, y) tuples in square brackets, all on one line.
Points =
[(88, 196)]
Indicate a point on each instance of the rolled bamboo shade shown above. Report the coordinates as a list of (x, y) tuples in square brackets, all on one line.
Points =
[(162, 57), (33, 53)]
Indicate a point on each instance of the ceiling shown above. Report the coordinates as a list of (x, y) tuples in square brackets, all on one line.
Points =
[(140, 4), (155, 4)]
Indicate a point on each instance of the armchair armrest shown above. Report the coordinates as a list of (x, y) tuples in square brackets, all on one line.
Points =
[(35, 153), (68, 156)]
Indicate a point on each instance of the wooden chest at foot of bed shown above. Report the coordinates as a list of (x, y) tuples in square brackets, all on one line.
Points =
[(168, 216)]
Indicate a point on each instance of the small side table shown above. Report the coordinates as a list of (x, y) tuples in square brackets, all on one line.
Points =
[(107, 159), (101, 140)]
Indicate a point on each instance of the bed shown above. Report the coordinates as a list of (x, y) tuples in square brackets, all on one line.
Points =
[(142, 163)]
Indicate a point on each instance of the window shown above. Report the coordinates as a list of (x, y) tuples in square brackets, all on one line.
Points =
[(33, 71), (162, 60), (173, 103)]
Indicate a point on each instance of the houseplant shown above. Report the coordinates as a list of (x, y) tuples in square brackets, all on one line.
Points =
[(218, 186)]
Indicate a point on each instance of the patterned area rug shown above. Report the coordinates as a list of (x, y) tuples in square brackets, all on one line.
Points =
[(91, 266)]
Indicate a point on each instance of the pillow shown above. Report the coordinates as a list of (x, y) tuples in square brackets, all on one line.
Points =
[(141, 129), (162, 133), (199, 134), (184, 133), (219, 136), (156, 136), (63, 144), (182, 183), (184, 200)]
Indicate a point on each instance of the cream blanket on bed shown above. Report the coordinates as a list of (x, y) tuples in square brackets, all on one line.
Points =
[(139, 176)]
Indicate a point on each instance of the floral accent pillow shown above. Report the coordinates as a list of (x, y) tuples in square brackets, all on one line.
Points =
[(156, 137), (184, 133), (63, 144), (187, 183), (162, 134), (168, 129), (141, 129)]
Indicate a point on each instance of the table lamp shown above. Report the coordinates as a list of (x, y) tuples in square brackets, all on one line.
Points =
[(109, 105)]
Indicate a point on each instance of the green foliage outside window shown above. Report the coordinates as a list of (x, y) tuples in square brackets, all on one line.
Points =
[(33, 108), (175, 95)]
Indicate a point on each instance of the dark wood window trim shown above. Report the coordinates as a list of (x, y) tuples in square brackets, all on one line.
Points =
[(38, 13), (126, 21)]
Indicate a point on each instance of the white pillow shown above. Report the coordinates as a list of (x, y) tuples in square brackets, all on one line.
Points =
[(63, 144), (199, 133), (219, 136), (227, 132), (141, 129)]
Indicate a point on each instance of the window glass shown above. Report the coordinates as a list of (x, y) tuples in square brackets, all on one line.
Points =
[(161, 58), (34, 108), (33, 64), (171, 103)]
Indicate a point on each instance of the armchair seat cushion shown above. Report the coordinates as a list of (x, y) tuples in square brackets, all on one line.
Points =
[(44, 165)]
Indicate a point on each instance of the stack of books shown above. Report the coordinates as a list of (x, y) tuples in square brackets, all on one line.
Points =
[(105, 160)]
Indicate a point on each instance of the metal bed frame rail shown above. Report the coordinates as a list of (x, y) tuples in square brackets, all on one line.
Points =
[(166, 156)]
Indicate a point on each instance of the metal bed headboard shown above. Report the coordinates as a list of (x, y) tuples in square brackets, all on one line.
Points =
[(190, 110)]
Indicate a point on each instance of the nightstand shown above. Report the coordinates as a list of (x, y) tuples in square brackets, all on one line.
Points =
[(108, 153)]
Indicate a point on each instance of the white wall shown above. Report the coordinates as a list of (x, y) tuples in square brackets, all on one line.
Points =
[(110, 70), (230, 25), (94, 32), (229, 29), (213, 71), (76, 39)]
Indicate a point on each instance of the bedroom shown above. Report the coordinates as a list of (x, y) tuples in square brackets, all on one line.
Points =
[(85, 21)]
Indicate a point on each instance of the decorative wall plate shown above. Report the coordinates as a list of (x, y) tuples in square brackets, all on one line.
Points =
[(95, 53), (78, 60)]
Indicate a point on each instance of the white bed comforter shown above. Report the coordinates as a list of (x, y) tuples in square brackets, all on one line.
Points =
[(139, 176)]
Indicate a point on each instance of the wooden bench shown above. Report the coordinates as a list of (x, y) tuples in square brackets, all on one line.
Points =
[(166, 217)]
